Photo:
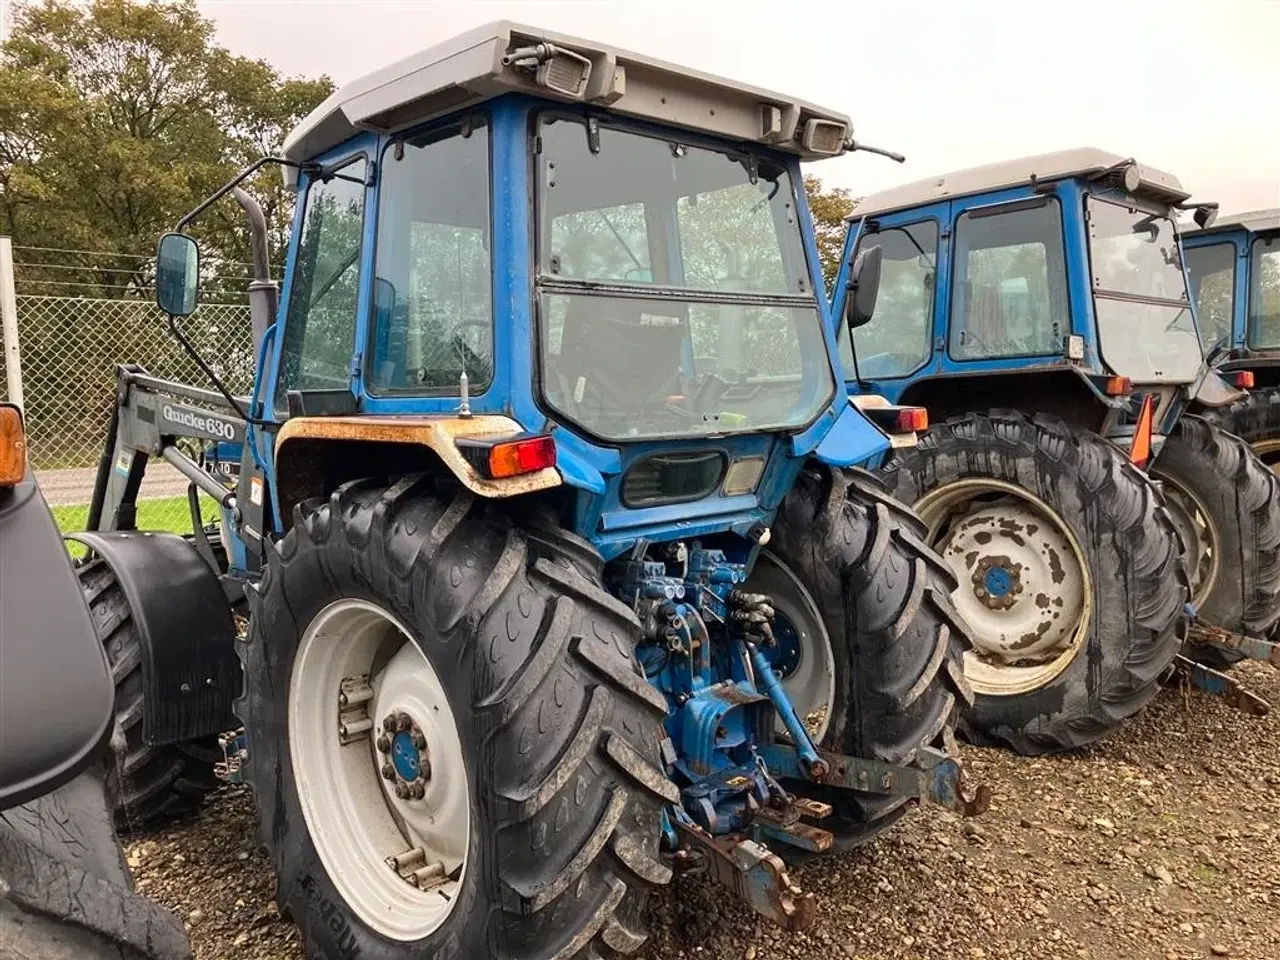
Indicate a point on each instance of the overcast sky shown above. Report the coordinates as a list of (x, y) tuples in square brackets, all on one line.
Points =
[(1190, 87)]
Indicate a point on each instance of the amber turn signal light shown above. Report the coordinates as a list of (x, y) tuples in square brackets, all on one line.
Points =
[(1119, 386), (913, 418), (1244, 379), (13, 446)]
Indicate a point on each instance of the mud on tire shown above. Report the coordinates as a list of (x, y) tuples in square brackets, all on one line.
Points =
[(1139, 581), (884, 598), (1241, 498), (560, 731), (148, 785)]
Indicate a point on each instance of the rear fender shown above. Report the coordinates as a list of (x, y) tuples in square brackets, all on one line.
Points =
[(190, 672), (56, 694)]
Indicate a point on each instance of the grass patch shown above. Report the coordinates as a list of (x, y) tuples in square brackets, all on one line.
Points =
[(168, 513)]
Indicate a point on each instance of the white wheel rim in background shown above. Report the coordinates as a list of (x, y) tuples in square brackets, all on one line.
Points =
[(1024, 579), (354, 818)]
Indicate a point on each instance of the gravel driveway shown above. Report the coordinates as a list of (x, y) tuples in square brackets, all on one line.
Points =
[(1162, 842)]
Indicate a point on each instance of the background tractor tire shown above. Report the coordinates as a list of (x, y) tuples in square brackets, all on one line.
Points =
[(1133, 566), (884, 598), (148, 785), (67, 893), (560, 732), (1255, 419), (1205, 469)]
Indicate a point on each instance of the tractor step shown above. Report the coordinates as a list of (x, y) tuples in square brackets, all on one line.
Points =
[(1265, 650), (1230, 690)]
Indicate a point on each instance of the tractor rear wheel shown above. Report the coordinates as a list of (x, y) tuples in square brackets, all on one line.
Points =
[(1226, 505), (149, 785), (1254, 419), (876, 670), (1070, 574), (453, 750)]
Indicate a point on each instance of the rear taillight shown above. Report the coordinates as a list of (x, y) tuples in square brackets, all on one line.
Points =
[(1244, 379), (13, 446), (913, 419), (501, 457)]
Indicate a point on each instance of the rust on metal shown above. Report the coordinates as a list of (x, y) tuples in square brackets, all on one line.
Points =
[(437, 434)]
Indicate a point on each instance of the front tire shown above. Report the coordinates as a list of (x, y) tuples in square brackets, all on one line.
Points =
[(149, 785), (558, 732), (1037, 519), (881, 597), (1226, 504)]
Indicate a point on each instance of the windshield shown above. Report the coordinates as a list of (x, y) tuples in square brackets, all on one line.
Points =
[(1145, 325), (674, 293), (1212, 270), (1264, 293)]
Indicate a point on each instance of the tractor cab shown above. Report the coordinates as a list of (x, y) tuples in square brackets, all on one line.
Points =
[(1234, 267), (1053, 281)]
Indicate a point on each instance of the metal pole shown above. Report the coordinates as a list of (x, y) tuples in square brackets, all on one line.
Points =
[(9, 320)]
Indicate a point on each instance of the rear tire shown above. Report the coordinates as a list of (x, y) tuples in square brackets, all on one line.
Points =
[(1254, 419), (67, 892), (1134, 584), (149, 785), (883, 597), (558, 731), (1218, 489)]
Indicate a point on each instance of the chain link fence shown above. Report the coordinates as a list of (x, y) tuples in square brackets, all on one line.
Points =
[(70, 349)]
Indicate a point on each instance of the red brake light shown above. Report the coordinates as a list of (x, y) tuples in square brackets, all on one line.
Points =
[(1119, 386), (1244, 379), (510, 456), (913, 419)]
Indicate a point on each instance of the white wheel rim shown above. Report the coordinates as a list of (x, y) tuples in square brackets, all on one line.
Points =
[(355, 820), (1192, 520), (811, 685), (1024, 579)]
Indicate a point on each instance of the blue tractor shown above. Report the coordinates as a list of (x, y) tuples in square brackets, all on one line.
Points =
[(1039, 309), (563, 568), (1234, 266)]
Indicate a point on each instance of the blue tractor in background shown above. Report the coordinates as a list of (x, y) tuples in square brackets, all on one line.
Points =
[(1234, 266), (1039, 309), (564, 569)]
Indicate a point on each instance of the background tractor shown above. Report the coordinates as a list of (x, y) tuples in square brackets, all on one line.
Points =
[(65, 889), (1039, 309), (1234, 266), (562, 568)]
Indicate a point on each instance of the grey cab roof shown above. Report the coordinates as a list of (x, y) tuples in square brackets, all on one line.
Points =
[(1081, 161), (468, 69), (1255, 221)]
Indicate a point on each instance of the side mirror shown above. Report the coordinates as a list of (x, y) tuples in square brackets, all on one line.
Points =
[(864, 285), (177, 274)]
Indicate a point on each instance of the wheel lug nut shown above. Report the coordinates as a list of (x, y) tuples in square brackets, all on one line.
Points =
[(402, 791), (424, 768), (417, 790), (419, 741), (403, 722), (389, 724), (384, 745), (388, 772)]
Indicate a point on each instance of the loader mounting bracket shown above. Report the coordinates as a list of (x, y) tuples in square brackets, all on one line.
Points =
[(190, 672)]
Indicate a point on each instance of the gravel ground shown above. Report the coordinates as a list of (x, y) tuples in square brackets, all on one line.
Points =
[(1163, 842)]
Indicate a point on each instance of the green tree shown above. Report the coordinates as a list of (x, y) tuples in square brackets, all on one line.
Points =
[(829, 209), (117, 116)]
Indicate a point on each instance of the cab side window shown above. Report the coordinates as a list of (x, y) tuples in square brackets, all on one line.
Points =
[(1010, 293)]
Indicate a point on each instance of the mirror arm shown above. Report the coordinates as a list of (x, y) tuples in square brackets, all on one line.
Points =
[(231, 184)]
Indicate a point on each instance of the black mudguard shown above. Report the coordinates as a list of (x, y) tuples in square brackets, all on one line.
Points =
[(190, 671), (55, 688)]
